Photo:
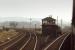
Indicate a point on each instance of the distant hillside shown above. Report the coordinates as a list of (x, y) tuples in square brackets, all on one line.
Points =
[(18, 19), (22, 21), (22, 24)]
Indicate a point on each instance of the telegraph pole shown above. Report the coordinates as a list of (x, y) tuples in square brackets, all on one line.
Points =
[(61, 23), (35, 28), (57, 20), (30, 22)]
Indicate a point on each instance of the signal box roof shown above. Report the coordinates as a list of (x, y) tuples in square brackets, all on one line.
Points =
[(49, 19)]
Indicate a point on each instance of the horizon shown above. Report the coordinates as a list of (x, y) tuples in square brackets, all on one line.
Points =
[(34, 20)]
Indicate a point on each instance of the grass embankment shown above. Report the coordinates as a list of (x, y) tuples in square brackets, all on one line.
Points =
[(6, 35)]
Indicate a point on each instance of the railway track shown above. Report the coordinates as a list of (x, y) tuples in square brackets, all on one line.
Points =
[(15, 45), (7, 43), (28, 41), (56, 44), (21, 42), (25, 43), (31, 45)]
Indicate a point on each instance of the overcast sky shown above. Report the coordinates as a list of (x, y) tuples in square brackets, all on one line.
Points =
[(36, 8)]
